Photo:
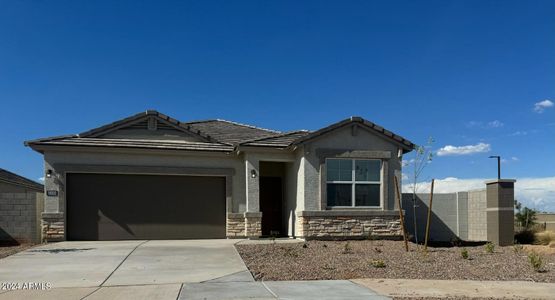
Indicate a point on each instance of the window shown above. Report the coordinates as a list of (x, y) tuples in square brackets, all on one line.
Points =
[(353, 182)]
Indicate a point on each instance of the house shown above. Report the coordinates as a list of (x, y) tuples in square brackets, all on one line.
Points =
[(150, 176), (20, 208)]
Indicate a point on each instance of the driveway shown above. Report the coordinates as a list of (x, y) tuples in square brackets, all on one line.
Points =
[(177, 269), (89, 265)]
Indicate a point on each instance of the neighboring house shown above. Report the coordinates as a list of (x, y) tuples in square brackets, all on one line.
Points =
[(547, 220), (150, 176), (20, 207)]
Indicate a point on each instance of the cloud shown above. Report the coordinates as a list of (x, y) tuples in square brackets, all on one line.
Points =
[(539, 107), (41, 179), (495, 124), (537, 193), (487, 125), (519, 133), (464, 150)]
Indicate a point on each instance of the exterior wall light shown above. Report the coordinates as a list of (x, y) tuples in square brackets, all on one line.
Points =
[(253, 173), (49, 173)]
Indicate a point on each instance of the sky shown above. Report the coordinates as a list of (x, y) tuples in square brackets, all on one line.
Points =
[(477, 76)]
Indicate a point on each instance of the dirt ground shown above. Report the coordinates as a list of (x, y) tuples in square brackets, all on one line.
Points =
[(7, 250), (316, 260)]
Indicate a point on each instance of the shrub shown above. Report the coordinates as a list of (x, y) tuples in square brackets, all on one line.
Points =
[(377, 263), (490, 247), (347, 248), (517, 248), (525, 236), (464, 253), (536, 261), (544, 237)]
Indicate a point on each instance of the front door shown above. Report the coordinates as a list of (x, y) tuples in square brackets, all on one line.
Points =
[(271, 196)]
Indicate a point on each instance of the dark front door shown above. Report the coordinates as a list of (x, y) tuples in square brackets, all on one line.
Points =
[(271, 199), (123, 207)]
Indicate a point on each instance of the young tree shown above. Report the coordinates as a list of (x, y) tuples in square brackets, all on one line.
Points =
[(423, 156)]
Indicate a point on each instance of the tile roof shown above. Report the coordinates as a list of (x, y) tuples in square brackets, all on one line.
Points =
[(279, 141), (212, 135), (229, 132), (9, 177), (137, 143)]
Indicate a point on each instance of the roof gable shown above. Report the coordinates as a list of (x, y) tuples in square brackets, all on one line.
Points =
[(364, 124), (147, 125)]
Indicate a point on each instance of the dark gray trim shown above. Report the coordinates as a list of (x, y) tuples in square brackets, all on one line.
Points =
[(348, 213)]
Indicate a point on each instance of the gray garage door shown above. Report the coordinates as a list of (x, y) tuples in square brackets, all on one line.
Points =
[(123, 207)]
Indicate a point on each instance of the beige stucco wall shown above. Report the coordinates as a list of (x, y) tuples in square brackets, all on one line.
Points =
[(310, 187)]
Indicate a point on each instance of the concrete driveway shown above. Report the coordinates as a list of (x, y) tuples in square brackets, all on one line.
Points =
[(179, 269), (77, 269)]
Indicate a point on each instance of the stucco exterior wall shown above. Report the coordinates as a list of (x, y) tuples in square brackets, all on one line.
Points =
[(345, 139), (154, 159)]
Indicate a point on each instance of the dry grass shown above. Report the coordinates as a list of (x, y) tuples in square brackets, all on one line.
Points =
[(544, 237)]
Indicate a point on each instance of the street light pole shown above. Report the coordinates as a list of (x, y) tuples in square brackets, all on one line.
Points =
[(498, 165)]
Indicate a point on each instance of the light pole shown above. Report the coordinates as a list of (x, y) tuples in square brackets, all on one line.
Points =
[(498, 165)]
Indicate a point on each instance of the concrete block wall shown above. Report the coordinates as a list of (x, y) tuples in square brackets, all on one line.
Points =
[(18, 216), (444, 220), (477, 218), (477, 215)]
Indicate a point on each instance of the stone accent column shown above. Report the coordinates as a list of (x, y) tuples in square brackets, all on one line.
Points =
[(500, 211), (235, 225), (53, 227), (253, 224)]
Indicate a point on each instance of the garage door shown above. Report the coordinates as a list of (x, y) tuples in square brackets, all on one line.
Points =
[(123, 207)]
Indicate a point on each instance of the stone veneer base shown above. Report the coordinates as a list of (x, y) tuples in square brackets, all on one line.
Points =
[(52, 227), (335, 224)]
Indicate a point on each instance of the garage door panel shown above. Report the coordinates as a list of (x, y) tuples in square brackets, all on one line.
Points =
[(113, 207)]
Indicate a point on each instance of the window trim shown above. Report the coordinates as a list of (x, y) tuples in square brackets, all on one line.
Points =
[(353, 182)]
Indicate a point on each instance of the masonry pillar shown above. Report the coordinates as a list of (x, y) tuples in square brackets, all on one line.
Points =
[(500, 211), (253, 216)]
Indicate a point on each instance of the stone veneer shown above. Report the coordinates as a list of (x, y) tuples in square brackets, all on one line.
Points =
[(241, 225), (332, 224), (52, 226)]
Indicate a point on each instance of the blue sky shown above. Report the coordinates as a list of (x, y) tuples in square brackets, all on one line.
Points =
[(468, 73)]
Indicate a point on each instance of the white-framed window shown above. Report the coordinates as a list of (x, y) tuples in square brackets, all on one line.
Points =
[(353, 182)]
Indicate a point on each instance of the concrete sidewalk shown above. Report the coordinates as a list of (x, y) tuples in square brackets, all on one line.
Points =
[(460, 288)]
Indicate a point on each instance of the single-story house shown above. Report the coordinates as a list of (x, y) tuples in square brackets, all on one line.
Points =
[(150, 176), (20, 208)]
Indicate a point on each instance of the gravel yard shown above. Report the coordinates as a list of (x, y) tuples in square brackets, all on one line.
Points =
[(315, 260)]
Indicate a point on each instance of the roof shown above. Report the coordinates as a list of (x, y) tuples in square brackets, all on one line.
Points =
[(404, 143), (9, 177), (279, 141), (230, 132), (209, 135)]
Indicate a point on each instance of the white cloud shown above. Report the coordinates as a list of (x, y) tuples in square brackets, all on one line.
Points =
[(464, 150), (41, 179), (537, 193), (479, 124), (539, 107), (495, 124), (514, 158), (519, 133)]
